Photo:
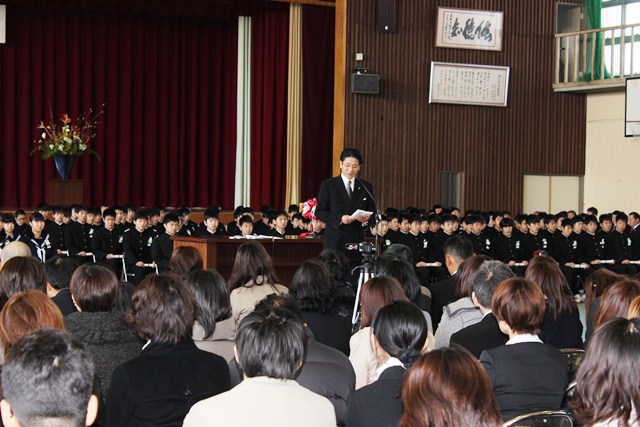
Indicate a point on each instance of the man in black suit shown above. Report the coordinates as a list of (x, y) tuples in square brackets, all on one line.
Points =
[(456, 250), (486, 334), (341, 196)]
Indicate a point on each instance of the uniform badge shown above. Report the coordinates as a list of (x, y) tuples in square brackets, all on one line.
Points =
[(120, 239), (544, 243), (575, 244), (149, 241), (628, 242), (424, 244), (517, 244)]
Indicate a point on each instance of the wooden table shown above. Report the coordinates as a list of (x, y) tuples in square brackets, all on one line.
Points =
[(287, 254)]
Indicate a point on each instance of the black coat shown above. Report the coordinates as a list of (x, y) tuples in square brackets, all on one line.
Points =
[(158, 387), (563, 332), (442, 294), (484, 335), (526, 377), (334, 202), (379, 404)]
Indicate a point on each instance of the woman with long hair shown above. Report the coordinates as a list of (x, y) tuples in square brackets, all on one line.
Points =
[(252, 279), (527, 375), (561, 326), (616, 300), (594, 286), (607, 391), (448, 387), (213, 329), (375, 294), (399, 336)]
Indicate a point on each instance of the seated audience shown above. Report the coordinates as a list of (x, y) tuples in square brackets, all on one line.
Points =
[(375, 294), (616, 300), (159, 386), (462, 312), (58, 271), (184, 260), (561, 326), (270, 349), (527, 375), (594, 286), (104, 332), (607, 392), (314, 289), (12, 250), (338, 265), (213, 329), (47, 379), (485, 334), (399, 332), (162, 247), (21, 274), (252, 279), (448, 387)]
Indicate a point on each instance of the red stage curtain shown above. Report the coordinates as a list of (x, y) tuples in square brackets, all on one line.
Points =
[(169, 133), (270, 33), (318, 35)]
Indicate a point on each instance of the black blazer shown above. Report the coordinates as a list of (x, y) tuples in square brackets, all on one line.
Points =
[(479, 337), (442, 294), (334, 202), (526, 377), (379, 404), (158, 387)]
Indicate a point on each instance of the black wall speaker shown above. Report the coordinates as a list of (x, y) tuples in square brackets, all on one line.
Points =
[(368, 84)]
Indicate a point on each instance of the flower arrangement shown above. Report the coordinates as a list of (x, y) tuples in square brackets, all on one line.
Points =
[(65, 137)]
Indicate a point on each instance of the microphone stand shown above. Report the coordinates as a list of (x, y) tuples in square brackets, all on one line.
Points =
[(377, 216)]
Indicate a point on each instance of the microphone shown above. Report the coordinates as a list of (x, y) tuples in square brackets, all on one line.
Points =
[(366, 189)]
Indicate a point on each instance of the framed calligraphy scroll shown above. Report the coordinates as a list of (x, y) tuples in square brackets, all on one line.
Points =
[(469, 29), (468, 84)]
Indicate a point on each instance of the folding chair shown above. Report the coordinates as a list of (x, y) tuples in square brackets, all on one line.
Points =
[(541, 419)]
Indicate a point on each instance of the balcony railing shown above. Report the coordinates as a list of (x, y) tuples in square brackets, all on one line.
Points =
[(598, 59)]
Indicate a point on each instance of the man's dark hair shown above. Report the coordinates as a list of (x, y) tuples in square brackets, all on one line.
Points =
[(605, 217), (47, 379), (58, 270), (403, 272), (590, 219), (171, 217), (293, 208), (337, 263), (622, 217), (271, 341), (245, 219), (488, 277), (458, 247), (109, 212), (211, 213), (398, 251), (533, 219), (506, 222), (36, 216), (351, 152), (593, 210)]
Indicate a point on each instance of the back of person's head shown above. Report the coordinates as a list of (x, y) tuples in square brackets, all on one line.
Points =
[(26, 312), (616, 300), (252, 264), (488, 276), (376, 293), (185, 259), (400, 328), (459, 248), (545, 271), (21, 274), (58, 271), (337, 263), (271, 342), (448, 387), (520, 304), (163, 309), (608, 377), (12, 250), (47, 379), (211, 297), (313, 287), (398, 251), (94, 287), (403, 272), (468, 270), (599, 280)]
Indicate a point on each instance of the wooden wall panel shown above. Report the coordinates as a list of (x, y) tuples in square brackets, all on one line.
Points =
[(406, 141)]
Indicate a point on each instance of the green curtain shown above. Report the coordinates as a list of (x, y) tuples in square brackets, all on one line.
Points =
[(594, 15)]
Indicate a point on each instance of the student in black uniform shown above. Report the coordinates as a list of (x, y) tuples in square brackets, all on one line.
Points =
[(209, 227), (508, 248), (162, 247), (21, 225), (261, 226), (278, 223), (56, 228), (78, 236), (618, 247), (136, 244), (534, 241), (481, 241), (37, 240), (420, 248), (246, 226), (233, 228), (592, 243), (58, 271), (293, 227), (107, 242), (567, 252), (9, 234)]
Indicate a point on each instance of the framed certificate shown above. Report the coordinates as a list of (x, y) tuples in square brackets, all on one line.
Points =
[(468, 84)]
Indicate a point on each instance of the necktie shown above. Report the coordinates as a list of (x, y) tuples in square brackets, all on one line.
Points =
[(349, 190)]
